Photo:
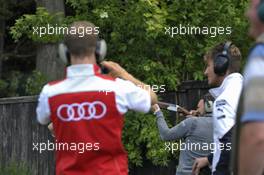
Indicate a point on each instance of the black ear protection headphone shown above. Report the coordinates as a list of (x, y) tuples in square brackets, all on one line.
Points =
[(221, 61), (260, 10), (208, 103), (100, 52)]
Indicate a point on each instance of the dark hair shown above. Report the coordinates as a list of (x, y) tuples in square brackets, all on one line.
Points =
[(84, 44), (233, 53)]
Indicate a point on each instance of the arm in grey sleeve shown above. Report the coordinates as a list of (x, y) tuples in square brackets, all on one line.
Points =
[(177, 132)]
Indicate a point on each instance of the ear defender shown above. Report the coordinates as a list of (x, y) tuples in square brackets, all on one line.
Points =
[(260, 10), (208, 106), (100, 52), (64, 54), (221, 61)]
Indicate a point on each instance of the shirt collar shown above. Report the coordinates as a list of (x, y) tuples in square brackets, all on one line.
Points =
[(79, 70), (215, 92)]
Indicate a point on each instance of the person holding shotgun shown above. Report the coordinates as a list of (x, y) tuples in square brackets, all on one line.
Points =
[(197, 131), (86, 109)]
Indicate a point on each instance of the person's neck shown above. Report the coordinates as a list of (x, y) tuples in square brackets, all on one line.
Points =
[(221, 78), (83, 60)]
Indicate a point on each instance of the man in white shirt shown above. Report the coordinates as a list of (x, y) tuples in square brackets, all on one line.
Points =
[(223, 65), (87, 108)]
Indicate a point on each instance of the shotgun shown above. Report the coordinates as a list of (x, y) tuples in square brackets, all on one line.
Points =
[(173, 107)]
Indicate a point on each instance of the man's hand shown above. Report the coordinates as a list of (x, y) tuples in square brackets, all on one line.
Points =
[(115, 70), (200, 109), (155, 108), (198, 164), (194, 112), (51, 129)]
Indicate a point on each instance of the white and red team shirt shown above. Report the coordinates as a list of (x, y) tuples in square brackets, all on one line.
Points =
[(88, 107)]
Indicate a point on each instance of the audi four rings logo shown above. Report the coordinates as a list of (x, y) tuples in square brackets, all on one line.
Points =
[(83, 111)]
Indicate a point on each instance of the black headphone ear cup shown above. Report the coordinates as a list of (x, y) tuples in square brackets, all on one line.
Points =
[(221, 63), (260, 11)]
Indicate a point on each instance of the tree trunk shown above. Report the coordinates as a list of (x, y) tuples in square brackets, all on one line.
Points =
[(47, 58), (48, 63)]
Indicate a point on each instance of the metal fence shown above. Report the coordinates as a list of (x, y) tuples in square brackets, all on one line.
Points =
[(20, 133)]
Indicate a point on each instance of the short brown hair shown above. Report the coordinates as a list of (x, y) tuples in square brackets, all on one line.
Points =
[(233, 53), (81, 45)]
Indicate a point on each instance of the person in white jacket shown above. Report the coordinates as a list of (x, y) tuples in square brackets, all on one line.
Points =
[(222, 67)]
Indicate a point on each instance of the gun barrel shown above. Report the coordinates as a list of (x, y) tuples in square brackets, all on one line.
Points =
[(178, 108)]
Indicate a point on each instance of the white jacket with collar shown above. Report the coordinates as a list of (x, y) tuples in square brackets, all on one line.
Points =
[(224, 109)]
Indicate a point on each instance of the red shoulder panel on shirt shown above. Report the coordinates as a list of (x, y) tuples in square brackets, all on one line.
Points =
[(55, 82), (97, 72)]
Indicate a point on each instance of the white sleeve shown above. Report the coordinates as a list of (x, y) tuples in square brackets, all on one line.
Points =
[(225, 108), (130, 96), (43, 109), (233, 94)]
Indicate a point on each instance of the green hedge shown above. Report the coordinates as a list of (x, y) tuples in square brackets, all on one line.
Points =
[(15, 169)]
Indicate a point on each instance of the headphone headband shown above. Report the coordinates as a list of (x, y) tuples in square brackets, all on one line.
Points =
[(227, 45), (100, 51)]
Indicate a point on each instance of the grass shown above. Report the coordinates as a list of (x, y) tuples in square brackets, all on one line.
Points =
[(14, 169)]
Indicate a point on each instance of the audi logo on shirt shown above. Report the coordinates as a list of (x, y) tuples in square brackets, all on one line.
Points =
[(81, 111)]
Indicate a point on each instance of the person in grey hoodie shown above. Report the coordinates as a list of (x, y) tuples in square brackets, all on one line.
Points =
[(196, 132)]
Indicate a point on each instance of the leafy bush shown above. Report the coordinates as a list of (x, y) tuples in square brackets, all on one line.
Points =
[(136, 35), (142, 140), (19, 84), (14, 169), (34, 83), (10, 84), (26, 24), (3, 88)]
